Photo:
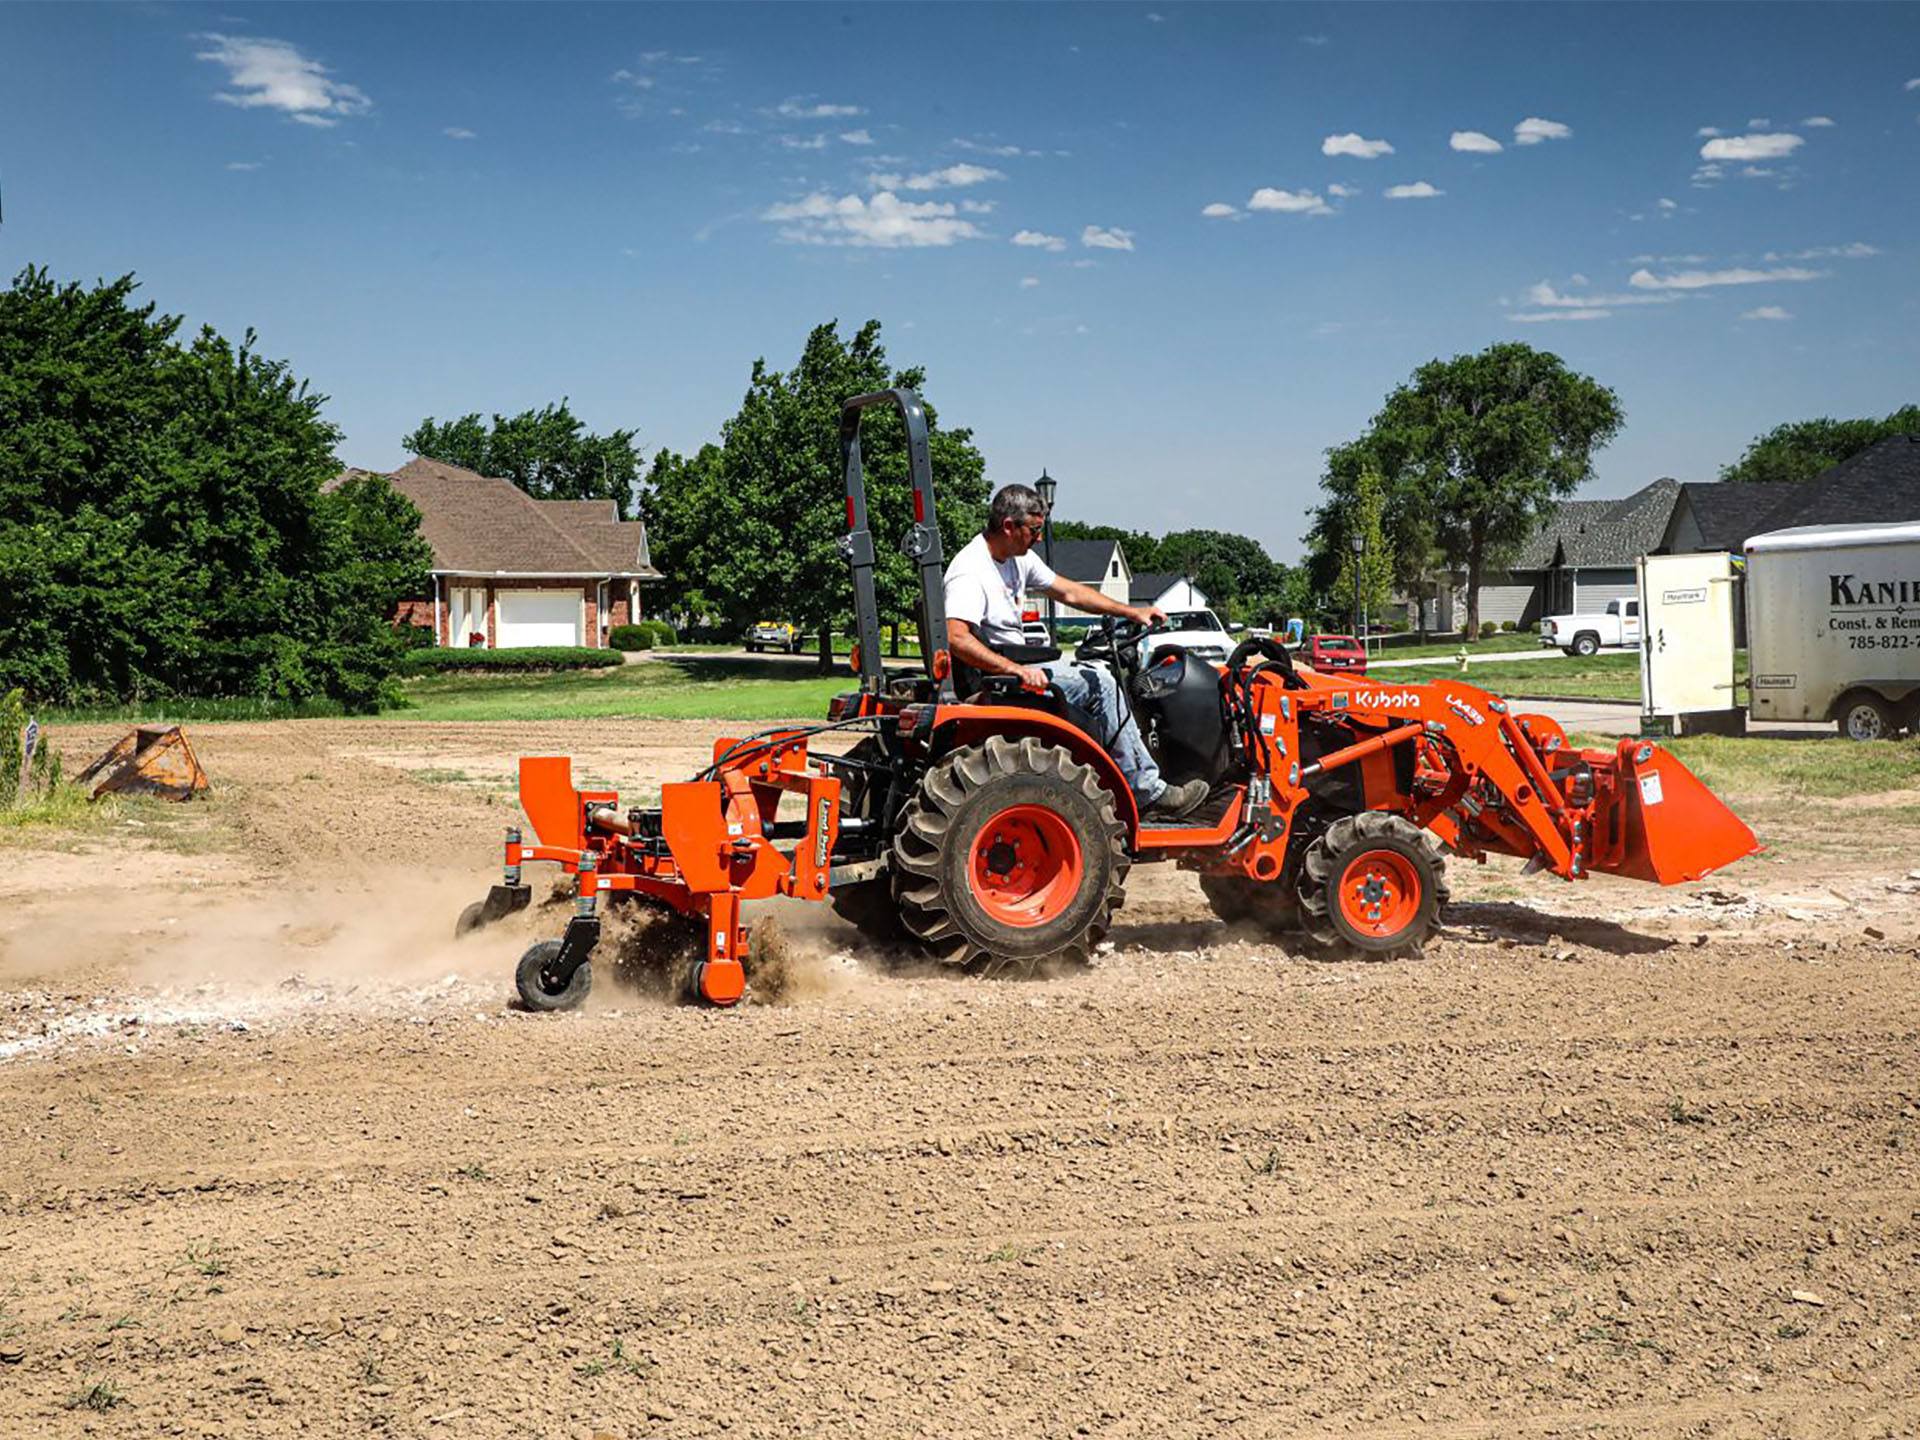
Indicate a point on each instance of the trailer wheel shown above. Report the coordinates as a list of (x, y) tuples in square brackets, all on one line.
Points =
[(1373, 887), (1010, 855), (537, 986), (1272, 905), (1865, 716), (1586, 643)]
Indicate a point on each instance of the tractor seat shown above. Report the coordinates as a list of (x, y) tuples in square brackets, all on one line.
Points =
[(1006, 690)]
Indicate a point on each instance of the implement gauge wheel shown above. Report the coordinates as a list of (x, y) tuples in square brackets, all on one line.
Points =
[(1010, 855), (540, 990), (1373, 887)]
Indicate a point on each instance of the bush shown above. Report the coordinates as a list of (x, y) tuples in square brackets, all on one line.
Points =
[(631, 637), (1508, 626), (532, 657), (417, 637), (1488, 629), (661, 631)]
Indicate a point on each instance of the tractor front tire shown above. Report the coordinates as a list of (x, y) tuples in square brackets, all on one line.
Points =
[(1372, 888), (1272, 905), (1009, 856), (536, 985)]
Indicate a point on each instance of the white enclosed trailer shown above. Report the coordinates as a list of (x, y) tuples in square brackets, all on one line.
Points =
[(1833, 626)]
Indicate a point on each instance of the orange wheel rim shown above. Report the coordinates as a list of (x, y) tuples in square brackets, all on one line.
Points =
[(1379, 893), (1026, 865)]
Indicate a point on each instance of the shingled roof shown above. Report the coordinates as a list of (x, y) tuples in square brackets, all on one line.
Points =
[(1087, 561), (1880, 485), (1148, 586), (1726, 512), (482, 525), (1595, 533)]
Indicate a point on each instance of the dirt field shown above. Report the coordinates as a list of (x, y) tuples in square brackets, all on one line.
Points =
[(276, 1157)]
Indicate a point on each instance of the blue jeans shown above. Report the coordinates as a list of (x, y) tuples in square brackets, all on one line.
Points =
[(1093, 689)]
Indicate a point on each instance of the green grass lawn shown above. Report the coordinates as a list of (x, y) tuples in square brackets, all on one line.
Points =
[(1600, 677), (663, 688), (1522, 640)]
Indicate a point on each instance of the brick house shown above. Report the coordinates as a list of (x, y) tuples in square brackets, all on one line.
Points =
[(511, 571)]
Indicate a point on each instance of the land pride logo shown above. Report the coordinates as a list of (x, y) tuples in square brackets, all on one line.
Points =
[(1846, 590)]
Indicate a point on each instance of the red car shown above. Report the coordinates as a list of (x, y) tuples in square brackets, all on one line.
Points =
[(1328, 653)]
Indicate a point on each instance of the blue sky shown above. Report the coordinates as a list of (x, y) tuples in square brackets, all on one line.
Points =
[(432, 209)]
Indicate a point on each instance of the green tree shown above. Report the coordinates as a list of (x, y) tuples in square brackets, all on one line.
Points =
[(1225, 565), (1474, 451), (1365, 580), (1802, 449), (162, 524), (549, 453), (749, 528), (1141, 549)]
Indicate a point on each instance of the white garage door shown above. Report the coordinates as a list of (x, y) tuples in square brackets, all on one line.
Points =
[(538, 617)]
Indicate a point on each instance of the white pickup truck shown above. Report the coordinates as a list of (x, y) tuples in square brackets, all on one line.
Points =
[(1585, 634)]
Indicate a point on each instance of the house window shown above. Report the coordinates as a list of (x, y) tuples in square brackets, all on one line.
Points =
[(1116, 569)]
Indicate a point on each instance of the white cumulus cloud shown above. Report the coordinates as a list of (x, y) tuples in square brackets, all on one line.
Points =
[(1540, 317), (1039, 240), (274, 75), (1858, 250), (1342, 192), (885, 221), (1219, 210), (1706, 132), (800, 110), (1819, 122), (1355, 145), (1099, 237), (802, 142), (1767, 312), (1532, 130), (1029, 282), (1913, 84), (1419, 190), (855, 137), (243, 164), (1750, 147), (953, 177), (1704, 279), (1288, 202), (1760, 122), (1544, 297), (1475, 143), (459, 132)]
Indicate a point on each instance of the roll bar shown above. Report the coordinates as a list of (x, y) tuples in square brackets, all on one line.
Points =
[(921, 543)]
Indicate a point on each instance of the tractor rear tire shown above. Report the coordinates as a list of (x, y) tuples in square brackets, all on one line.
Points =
[(1272, 905), (1372, 887), (536, 987), (1010, 856)]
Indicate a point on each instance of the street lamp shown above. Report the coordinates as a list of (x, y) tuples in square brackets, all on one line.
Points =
[(1046, 486), (1358, 541)]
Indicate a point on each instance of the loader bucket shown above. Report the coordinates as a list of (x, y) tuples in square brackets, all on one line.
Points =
[(152, 760), (1667, 826)]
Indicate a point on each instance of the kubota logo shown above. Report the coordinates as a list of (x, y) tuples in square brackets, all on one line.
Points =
[(1384, 699)]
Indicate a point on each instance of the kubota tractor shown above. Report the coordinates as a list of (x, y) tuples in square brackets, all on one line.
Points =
[(988, 828)]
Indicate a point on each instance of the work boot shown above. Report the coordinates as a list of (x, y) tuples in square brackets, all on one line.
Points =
[(1176, 802)]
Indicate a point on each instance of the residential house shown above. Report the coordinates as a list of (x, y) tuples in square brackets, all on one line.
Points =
[(1170, 592), (1100, 564), (1580, 558), (511, 571), (1879, 485)]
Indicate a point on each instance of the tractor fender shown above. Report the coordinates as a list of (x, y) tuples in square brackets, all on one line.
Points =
[(958, 725)]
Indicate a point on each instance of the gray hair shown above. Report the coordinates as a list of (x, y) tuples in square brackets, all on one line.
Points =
[(1013, 502)]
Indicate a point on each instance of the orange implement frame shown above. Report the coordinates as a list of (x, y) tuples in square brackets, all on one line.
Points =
[(151, 760)]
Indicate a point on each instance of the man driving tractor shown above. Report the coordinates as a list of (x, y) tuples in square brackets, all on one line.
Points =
[(987, 585)]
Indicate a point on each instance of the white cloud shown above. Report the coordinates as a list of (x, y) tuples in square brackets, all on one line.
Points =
[(1288, 202), (1703, 279), (796, 110), (1538, 317), (1819, 122), (1706, 132), (1750, 147), (802, 142), (1029, 282), (1666, 204), (1156, 18), (1858, 250), (1767, 312), (724, 127), (1356, 146), (1316, 40), (1098, 237), (1219, 210), (1532, 130), (459, 132), (243, 164), (1913, 84), (1005, 152), (856, 137), (1038, 240), (1760, 122), (1342, 192), (978, 207), (1419, 190), (954, 177), (272, 74), (1544, 297), (1475, 143), (634, 78), (885, 221)]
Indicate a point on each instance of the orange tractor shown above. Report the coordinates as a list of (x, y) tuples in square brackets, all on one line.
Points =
[(987, 827)]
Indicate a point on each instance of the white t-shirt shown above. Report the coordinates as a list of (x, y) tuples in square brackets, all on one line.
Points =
[(990, 594)]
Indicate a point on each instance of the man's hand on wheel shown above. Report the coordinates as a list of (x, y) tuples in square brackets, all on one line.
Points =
[(1148, 615), (1032, 677)]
